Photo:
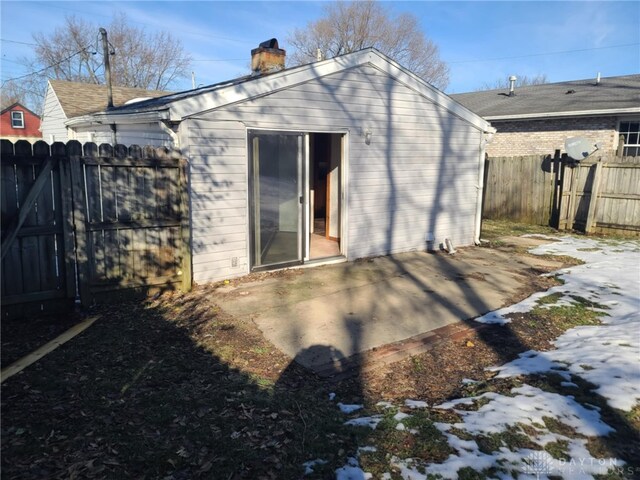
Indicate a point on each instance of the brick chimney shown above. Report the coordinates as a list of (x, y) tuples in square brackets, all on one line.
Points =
[(267, 58)]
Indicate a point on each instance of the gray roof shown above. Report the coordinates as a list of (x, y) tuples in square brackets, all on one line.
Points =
[(162, 101), (611, 94), (81, 98)]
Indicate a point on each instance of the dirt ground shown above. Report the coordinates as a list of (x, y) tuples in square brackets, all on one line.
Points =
[(174, 387)]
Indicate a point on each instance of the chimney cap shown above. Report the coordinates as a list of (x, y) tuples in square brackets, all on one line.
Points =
[(271, 43)]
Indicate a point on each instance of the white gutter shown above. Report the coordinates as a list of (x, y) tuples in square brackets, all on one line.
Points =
[(577, 113), (104, 118), (485, 139)]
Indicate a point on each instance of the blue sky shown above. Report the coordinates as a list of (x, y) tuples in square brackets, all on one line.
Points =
[(481, 41)]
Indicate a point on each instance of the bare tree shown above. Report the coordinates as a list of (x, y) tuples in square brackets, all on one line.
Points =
[(72, 52), (521, 81), (12, 93), (350, 26), (140, 59)]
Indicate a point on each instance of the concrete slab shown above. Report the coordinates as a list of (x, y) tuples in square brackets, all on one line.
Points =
[(329, 313)]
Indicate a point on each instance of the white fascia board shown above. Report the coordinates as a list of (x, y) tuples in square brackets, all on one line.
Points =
[(579, 113), (261, 86), (105, 118), (412, 81), (209, 101), (55, 95)]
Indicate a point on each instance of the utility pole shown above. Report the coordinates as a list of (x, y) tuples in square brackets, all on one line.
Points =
[(107, 67)]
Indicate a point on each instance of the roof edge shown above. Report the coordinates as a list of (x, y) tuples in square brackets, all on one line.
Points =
[(577, 113), (10, 107), (105, 118)]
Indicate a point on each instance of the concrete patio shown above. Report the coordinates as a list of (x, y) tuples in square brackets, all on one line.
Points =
[(329, 313)]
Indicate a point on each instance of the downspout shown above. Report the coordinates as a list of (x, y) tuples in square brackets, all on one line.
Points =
[(485, 139), (168, 129), (114, 141)]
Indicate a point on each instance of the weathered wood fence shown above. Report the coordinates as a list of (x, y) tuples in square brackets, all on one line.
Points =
[(85, 223), (599, 195)]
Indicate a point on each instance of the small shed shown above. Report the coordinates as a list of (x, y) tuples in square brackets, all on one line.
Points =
[(339, 159)]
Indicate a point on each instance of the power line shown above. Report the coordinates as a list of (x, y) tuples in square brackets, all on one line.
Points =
[(13, 61), (19, 43), (547, 53), (95, 14), (220, 60), (45, 68)]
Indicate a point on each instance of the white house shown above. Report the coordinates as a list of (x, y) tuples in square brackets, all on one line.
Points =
[(339, 159), (65, 100)]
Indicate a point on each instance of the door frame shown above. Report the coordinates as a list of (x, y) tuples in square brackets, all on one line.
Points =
[(306, 205)]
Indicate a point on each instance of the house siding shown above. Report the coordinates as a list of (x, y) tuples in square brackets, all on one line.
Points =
[(417, 177), (30, 131), (136, 134), (53, 118), (544, 137)]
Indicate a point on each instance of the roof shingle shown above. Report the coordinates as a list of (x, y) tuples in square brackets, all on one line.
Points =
[(81, 98), (574, 96)]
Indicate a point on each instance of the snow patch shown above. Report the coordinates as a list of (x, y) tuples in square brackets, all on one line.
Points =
[(308, 466), (347, 408), (371, 422), (352, 471), (415, 404)]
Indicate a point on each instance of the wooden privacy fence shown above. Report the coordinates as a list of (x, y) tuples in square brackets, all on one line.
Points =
[(599, 195), (85, 222)]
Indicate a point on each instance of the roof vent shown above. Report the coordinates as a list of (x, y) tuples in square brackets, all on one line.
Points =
[(598, 79), (267, 58), (512, 85), (569, 92)]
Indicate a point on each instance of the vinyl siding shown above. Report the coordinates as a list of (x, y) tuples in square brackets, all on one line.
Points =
[(418, 175), (53, 118), (218, 185), (138, 134)]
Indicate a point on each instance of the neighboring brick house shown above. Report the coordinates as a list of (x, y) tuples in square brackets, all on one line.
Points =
[(65, 100), (537, 119), (17, 122)]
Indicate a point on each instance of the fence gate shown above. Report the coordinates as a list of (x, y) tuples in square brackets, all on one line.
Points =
[(87, 223), (37, 239)]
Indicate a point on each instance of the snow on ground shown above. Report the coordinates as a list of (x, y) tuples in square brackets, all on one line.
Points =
[(349, 408), (605, 355)]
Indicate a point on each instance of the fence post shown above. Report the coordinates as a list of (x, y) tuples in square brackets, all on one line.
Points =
[(593, 199), (74, 151), (185, 226), (66, 209)]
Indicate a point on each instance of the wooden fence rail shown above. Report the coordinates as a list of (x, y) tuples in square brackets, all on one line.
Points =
[(85, 222), (600, 195)]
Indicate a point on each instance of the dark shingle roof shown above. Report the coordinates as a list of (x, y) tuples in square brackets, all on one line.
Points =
[(612, 93), (161, 101), (81, 98)]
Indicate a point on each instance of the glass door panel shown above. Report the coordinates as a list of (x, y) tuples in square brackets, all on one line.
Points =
[(276, 217)]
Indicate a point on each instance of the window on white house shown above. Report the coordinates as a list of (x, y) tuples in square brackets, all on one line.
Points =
[(631, 133), (17, 119)]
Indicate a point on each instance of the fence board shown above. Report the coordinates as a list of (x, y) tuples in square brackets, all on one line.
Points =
[(553, 191), (116, 216)]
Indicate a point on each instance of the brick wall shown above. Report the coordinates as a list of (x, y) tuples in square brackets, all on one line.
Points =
[(544, 137)]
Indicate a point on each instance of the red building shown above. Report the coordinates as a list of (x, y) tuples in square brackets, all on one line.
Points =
[(19, 123)]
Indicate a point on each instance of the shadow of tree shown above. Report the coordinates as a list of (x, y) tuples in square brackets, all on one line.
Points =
[(140, 395)]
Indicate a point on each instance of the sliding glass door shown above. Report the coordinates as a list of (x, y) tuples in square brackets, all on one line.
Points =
[(276, 160)]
